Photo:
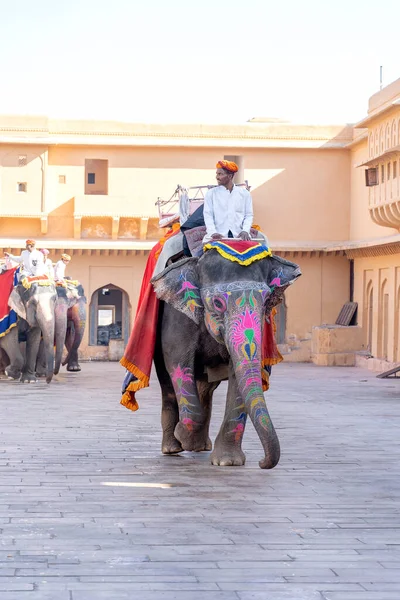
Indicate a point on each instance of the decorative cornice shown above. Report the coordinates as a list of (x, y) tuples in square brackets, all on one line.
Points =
[(159, 134), (371, 251)]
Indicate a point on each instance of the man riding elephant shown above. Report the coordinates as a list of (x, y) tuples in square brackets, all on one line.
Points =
[(228, 209), (230, 292), (31, 259)]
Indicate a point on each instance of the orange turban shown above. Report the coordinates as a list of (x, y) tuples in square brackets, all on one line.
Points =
[(30, 242), (66, 256), (228, 165)]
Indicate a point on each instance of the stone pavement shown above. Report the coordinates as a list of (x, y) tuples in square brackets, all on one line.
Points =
[(90, 509)]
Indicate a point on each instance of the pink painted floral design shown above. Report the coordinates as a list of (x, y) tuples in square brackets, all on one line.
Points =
[(182, 375), (246, 328)]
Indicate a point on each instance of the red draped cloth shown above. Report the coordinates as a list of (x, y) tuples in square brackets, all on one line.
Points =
[(139, 352)]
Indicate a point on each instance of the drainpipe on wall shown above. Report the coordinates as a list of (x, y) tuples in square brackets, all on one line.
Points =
[(351, 280)]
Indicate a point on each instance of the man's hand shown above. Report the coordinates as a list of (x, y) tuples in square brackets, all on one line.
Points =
[(217, 236), (6, 254), (244, 235)]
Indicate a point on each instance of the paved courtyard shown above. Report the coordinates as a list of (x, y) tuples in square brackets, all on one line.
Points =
[(90, 509)]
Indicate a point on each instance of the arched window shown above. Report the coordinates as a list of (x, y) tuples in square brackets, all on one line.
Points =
[(387, 137), (383, 324), (396, 356), (376, 142), (109, 315), (394, 133), (381, 141), (369, 315), (371, 145)]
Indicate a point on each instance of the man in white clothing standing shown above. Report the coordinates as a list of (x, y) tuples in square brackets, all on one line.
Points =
[(228, 209), (32, 260)]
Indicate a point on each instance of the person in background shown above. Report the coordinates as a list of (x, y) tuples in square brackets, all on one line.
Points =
[(228, 209), (61, 265), (31, 259), (47, 263)]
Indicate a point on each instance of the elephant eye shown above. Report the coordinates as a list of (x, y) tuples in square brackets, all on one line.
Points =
[(219, 304)]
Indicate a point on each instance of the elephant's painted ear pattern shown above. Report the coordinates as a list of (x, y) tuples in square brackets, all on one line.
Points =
[(282, 273), (178, 285)]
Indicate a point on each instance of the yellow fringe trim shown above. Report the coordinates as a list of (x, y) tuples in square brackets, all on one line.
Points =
[(128, 399), (66, 282), (28, 284), (246, 262), (9, 329)]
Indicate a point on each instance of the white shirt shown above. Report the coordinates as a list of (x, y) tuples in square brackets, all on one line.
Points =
[(226, 211), (49, 268), (32, 263), (59, 270)]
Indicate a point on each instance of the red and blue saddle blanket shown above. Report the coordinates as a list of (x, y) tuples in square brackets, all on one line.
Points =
[(8, 317), (240, 251)]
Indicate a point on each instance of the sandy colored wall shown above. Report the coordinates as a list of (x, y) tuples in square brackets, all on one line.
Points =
[(319, 294), (11, 173), (301, 195), (382, 274), (298, 194)]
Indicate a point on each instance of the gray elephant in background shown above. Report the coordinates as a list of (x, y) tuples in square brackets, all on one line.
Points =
[(212, 315), (36, 308), (70, 322)]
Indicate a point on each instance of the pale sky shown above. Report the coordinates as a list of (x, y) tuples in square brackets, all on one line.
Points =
[(310, 61)]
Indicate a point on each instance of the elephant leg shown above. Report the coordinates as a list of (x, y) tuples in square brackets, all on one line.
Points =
[(169, 409), (4, 362), (205, 391), (192, 428), (72, 357), (10, 345), (228, 444), (32, 349), (41, 361)]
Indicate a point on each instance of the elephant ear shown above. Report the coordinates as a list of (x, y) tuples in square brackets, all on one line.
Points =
[(178, 285), (15, 302), (281, 274)]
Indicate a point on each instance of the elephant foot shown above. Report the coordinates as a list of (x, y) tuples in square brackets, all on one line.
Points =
[(40, 374), (28, 378), (228, 457), (170, 445), (74, 367), (13, 373), (192, 437)]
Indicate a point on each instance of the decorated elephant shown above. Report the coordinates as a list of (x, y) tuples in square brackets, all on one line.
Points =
[(70, 322), (212, 316), (34, 303)]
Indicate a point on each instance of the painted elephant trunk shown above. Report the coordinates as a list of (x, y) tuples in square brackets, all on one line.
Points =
[(76, 314), (246, 360), (47, 328), (60, 333)]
